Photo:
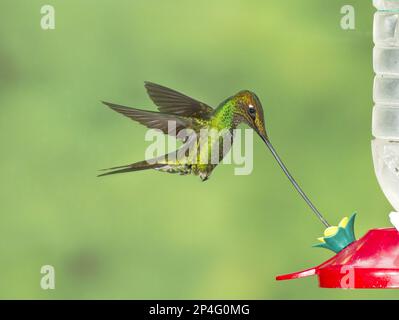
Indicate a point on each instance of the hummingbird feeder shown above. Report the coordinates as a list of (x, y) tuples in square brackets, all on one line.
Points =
[(372, 261)]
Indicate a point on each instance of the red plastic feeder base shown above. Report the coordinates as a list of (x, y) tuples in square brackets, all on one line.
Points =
[(372, 262)]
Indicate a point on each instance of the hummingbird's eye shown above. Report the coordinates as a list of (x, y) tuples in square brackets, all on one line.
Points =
[(252, 111)]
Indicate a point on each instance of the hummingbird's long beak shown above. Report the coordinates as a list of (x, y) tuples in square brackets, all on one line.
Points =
[(292, 180)]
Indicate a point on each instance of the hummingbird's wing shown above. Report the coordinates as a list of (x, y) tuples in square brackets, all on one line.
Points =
[(171, 101), (156, 120)]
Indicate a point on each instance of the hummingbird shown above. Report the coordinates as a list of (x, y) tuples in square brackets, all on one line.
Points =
[(187, 113)]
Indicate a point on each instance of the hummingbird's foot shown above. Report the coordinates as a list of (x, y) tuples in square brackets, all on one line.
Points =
[(204, 176), (338, 237)]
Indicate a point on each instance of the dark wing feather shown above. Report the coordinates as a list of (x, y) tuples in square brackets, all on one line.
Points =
[(171, 101), (153, 120)]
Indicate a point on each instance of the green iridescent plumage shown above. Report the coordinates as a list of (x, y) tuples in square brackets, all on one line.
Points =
[(189, 114)]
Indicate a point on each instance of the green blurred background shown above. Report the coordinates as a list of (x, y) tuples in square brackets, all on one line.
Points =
[(152, 235)]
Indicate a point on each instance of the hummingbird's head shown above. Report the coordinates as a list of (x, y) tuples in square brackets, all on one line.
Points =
[(250, 111)]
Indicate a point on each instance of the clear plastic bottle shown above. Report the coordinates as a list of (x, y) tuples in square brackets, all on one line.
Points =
[(385, 126)]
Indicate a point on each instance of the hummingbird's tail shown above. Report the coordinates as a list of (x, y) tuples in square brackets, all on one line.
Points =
[(138, 166)]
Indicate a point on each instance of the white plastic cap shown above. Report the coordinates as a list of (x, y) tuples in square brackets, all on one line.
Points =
[(394, 217)]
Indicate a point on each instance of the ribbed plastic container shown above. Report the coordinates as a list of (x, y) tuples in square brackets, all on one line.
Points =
[(385, 127)]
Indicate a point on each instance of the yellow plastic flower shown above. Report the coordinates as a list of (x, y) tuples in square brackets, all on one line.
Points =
[(338, 237), (331, 231)]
